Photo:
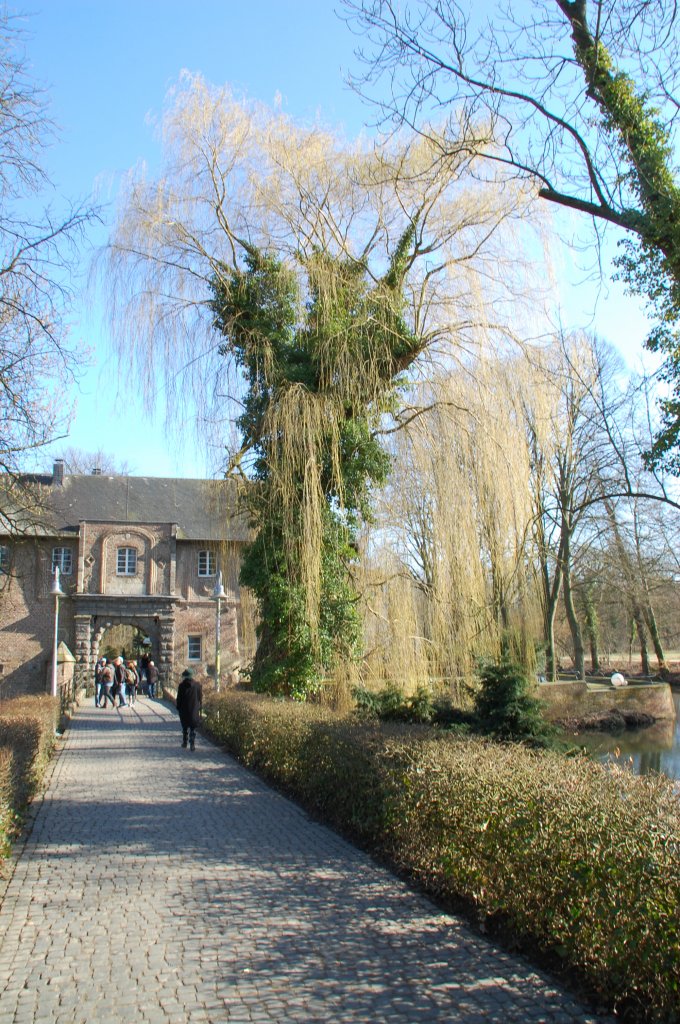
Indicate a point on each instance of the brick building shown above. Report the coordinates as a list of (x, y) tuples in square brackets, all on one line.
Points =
[(135, 551)]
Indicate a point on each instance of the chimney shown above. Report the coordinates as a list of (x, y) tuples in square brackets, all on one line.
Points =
[(58, 472)]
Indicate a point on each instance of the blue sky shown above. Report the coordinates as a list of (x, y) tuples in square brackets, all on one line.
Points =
[(107, 66)]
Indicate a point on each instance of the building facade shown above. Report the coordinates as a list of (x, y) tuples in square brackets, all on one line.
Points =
[(135, 551)]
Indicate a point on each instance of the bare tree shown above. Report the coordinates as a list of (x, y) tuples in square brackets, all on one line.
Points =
[(457, 513), (580, 98), (76, 460), (38, 249)]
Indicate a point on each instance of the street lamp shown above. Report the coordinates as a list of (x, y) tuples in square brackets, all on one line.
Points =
[(57, 592), (218, 593)]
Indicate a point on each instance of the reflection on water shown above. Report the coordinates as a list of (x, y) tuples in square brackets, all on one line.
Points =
[(654, 749)]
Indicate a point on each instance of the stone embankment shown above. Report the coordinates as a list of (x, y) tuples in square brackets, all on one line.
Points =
[(599, 706)]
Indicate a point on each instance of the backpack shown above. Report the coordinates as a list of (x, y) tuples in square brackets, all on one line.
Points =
[(107, 674), (130, 677)]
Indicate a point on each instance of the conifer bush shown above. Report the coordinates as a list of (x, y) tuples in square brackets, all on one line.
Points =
[(505, 707), (571, 858)]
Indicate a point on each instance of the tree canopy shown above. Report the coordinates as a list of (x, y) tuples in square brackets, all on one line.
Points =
[(288, 280)]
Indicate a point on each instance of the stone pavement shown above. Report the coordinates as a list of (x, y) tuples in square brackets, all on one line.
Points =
[(166, 887)]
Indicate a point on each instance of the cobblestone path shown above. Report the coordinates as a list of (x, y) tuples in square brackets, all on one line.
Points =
[(166, 887)]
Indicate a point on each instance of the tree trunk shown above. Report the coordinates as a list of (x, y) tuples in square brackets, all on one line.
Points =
[(592, 629), (650, 621), (572, 618), (550, 599), (642, 638)]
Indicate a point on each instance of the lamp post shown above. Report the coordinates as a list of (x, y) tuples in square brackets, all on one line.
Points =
[(218, 594), (57, 592)]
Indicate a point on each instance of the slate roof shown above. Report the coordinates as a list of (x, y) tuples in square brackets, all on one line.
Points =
[(202, 509)]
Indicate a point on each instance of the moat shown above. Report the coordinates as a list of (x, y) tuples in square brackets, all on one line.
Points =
[(655, 748)]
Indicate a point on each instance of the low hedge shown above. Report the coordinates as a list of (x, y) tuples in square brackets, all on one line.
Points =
[(27, 730), (566, 856)]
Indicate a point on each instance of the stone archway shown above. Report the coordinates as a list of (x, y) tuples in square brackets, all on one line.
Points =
[(126, 639), (90, 627)]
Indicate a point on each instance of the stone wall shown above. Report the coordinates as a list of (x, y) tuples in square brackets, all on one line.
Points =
[(98, 559), (190, 586)]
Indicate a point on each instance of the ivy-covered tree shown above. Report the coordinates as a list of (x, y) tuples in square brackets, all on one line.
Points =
[(317, 384)]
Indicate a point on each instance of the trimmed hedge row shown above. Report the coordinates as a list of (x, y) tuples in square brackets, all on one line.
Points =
[(27, 730), (567, 856)]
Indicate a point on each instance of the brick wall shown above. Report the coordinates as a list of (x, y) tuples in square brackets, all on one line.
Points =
[(27, 617), (98, 562)]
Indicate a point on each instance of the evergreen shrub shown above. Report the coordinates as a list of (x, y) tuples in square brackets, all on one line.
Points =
[(392, 705), (505, 707), (571, 858)]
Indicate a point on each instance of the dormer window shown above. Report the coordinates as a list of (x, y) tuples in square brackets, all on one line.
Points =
[(206, 563), (62, 559), (126, 564)]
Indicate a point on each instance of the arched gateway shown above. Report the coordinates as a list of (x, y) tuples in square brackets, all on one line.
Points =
[(143, 551), (157, 622)]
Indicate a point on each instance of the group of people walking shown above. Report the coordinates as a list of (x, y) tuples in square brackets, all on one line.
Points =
[(119, 680)]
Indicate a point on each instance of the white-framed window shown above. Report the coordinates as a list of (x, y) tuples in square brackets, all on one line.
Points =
[(62, 559), (126, 562), (4, 558), (206, 563), (194, 648)]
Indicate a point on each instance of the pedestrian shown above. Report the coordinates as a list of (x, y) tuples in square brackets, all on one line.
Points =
[(118, 688), (101, 662), (107, 680), (189, 703), (151, 679), (131, 683)]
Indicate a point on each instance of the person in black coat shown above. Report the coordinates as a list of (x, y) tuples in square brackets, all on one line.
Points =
[(189, 703), (151, 679)]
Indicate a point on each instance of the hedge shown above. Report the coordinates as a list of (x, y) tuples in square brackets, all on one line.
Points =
[(571, 858), (27, 731)]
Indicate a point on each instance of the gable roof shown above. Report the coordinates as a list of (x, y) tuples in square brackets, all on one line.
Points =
[(201, 509)]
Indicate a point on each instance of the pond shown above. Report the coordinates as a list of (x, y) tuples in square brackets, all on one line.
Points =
[(654, 749)]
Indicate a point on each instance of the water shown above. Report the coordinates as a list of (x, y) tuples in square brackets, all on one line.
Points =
[(654, 749)]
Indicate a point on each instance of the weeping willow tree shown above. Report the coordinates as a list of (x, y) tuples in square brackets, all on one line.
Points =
[(499, 477), (317, 386), (458, 512), (286, 285)]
